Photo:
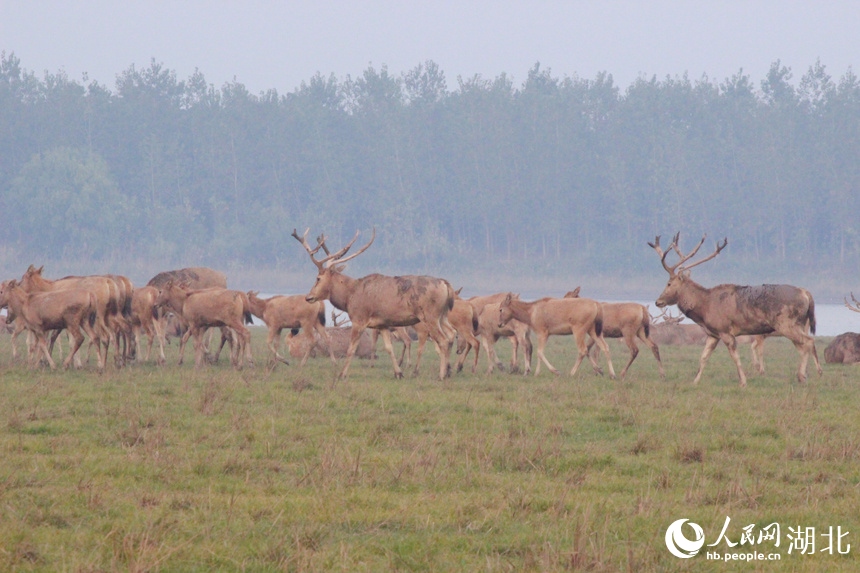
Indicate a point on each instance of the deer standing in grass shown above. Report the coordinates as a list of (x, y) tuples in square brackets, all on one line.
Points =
[(628, 321), (578, 316), (202, 309), (72, 309), (381, 302), (280, 312), (727, 311)]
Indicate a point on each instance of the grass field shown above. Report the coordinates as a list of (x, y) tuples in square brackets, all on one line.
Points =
[(172, 469)]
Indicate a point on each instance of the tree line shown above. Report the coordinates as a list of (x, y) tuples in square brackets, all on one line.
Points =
[(552, 174)]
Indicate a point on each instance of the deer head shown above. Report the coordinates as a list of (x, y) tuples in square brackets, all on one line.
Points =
[(679, 273), (332, 264)]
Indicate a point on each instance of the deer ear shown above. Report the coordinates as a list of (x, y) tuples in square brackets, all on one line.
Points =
[(685, 274), (338, 268)]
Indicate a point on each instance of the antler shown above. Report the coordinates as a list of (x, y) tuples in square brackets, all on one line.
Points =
[(330, 258), (683, 258), (304, 241), (856, 307), (336, 257), (669, 319)]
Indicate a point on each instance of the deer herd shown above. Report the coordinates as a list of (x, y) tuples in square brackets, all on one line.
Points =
[(110, 312)]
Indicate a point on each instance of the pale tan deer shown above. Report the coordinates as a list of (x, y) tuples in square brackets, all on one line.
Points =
[(489, 331), (289, 312), (627, 321), (727, 311), (107, 299), (464, 320), (72, 309), (202, 309), (382, 302), (580, 317)]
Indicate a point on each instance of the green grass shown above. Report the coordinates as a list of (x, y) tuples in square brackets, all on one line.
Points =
[(173, 469)]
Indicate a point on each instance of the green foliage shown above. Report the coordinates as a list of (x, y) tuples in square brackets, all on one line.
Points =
[(66, 198), (553, 170)]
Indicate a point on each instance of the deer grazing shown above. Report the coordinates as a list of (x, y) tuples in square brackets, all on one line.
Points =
[(580, 317), (381, 302), (628, 321), (727, 311), (289, 312)]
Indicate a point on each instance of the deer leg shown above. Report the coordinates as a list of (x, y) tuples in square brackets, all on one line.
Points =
[(492, 360), (515, 354), (710, 344), (591, 357), (541, 344), (159, 332), (582, 352), (407, 349), (78, 339), (732, 344), (182, 342), (442, 340), (655, 350), (274, 341), (386, 340), (374, 336), (41, 341), (422, 340), (354, 338), (634, 352), (527, 352), (757, 352)]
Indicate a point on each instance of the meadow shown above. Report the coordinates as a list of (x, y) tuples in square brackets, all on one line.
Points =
[(177, 469)]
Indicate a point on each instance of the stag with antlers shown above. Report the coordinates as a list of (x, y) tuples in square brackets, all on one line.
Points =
[(727, 311), (382, 302)]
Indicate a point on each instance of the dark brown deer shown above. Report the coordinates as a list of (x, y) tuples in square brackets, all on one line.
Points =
[(628, 321), (580, 317), (378, 301), (727, 311)]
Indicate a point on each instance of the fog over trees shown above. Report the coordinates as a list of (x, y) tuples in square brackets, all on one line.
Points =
[(555, 176)]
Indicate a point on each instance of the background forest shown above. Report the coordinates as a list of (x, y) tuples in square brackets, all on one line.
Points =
[(563, 178)]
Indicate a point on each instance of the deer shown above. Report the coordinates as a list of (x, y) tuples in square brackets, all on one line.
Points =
[(280, 312), (628, 321), (727, 311), (72, 309), (144, 320), (381, 302), (464, 320), (489, 331), (107, 298), (580, 317), (202, 309)]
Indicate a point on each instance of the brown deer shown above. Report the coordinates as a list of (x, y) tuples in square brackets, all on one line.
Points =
[(402, 334), (144, 320), (464, 320), (107, 298), (489, 331), (202, 309), (727, 311), (628, 321), (71, 309), (382, 302), (289, 312), (580, 317)]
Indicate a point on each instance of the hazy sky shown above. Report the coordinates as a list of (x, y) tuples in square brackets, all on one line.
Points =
[(270, 44)]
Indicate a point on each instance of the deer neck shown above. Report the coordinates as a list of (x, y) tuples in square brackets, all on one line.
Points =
[(692, 299), (258, 306), (342, 288), (521, 310)]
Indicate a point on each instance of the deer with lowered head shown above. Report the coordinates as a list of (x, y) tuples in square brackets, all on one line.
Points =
[(381, 302), (727, 311)]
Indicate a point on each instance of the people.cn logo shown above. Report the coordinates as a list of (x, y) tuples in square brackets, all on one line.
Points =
[(678, 543)]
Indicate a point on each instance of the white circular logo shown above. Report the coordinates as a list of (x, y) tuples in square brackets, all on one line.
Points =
[(678, 543)]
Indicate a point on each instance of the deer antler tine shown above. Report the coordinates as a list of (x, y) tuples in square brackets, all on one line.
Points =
[(304, 241)]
